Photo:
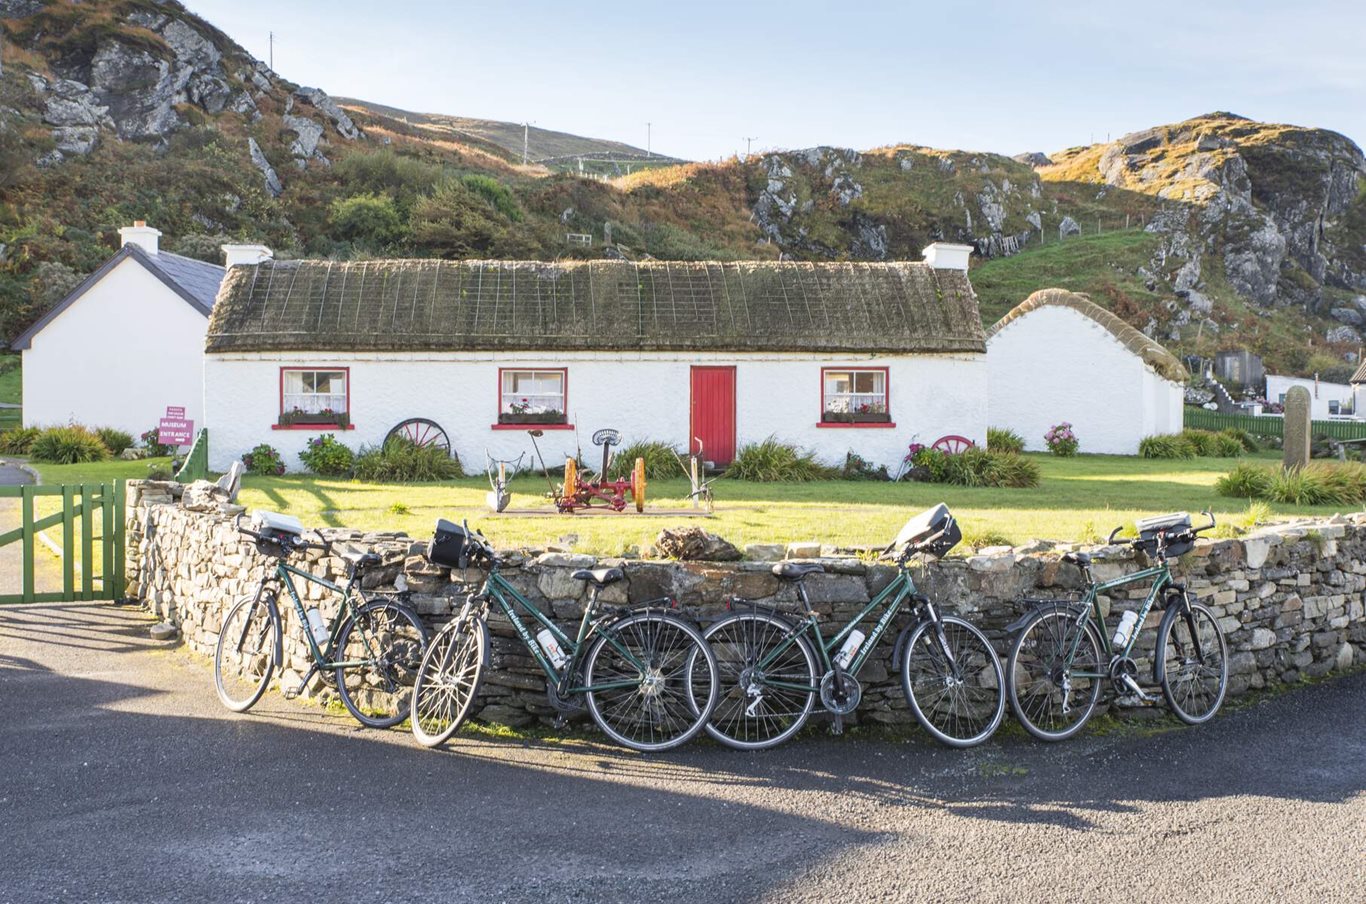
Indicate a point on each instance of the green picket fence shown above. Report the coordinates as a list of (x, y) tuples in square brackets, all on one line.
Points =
[(1269, 425), (196, 466), (91, 540)]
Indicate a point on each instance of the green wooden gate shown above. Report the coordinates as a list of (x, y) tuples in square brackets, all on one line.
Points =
[(91, 540)]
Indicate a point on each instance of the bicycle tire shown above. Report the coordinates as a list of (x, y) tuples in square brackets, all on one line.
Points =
[(1049, 632), (448, 680), (1175, 672), (960, 710), (737, 721), (381, 698), (254, 663), (669, 689)]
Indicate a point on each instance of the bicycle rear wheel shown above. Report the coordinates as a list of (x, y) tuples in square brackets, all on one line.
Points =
[(752, 712), (389, 638), (448, 680), (1053, 696), (652, 681), (960, 699), (244, 658), (1194, 661)]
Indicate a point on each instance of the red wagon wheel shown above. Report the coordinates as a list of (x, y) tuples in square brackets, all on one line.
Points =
[(952, 444), (421, 433)]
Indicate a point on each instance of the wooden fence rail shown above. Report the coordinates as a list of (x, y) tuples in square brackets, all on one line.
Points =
[(92, 538), (1269, 425)]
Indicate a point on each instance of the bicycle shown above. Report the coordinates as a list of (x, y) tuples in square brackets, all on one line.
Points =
[(370, 650), (776, 663), (1064, 654), (646, 676)]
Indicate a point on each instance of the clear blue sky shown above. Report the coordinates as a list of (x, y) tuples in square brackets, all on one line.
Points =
[(995, 76)]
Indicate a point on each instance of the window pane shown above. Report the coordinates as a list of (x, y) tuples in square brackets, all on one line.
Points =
[(836, 381)]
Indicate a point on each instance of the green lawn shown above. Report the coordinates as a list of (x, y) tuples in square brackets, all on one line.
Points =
[(1078, 498)]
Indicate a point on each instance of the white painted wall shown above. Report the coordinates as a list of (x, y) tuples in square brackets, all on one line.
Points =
[(1319, 395), (118, 356), (645, 396), (1056, 364)]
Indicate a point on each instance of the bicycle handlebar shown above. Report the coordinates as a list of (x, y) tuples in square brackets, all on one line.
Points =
[(1193, 531), (322, 543)]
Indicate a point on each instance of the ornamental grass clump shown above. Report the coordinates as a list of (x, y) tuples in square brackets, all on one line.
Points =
[(18, 440), (403, 461), (774, 462), (1061, 440), (68, 446), (1003, 439), (327, 457), (1321, 484), (1166, 445), (660, 462), (114, 440), (977, 467)]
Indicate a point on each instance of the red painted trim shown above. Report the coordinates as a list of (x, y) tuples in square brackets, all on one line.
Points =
[(316, 428), (886, 395), (498, 408), (876, 425), (531, 426), (345, 370), (734, 399)]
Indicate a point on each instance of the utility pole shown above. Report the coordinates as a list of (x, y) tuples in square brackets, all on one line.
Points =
[(647, 140), (272, 51), (526, 135), (749, 144)]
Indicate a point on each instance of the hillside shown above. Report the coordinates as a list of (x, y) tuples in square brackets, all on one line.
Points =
[(1210, 233)]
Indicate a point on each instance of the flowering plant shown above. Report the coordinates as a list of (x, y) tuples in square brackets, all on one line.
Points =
[(913, 450), (1061, 441), (152, 440), (326, 456), (264, 459)]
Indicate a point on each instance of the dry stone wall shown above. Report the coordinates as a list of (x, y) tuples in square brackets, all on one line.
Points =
[(1289, 597)]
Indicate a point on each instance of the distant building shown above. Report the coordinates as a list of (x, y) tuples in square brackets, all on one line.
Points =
[(1239, 366), (1326, 399)]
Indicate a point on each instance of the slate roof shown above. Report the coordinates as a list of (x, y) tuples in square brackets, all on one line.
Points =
[(1154, 355), (1360, 375), (407, 305), (194, 281)]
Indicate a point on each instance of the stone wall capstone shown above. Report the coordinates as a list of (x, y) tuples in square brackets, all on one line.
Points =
[(1289, 597)]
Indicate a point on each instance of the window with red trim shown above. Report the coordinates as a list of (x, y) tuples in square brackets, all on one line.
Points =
[(532, 395), (851, 395), (315, 396)]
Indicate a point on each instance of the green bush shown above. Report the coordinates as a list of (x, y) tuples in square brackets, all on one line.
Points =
[(114, 440), (1003, 439), (68, 446), (660, 463), (1200, 441), (1245, 439), (1246, 481), (1166, 445), (371, 221), (773, 462), (18, 440), (264, 459), (151, 439), (403, 461), (327, 457), (1226, 446), (1062, 440), (495, 193), (856, 467), (1322, 484), (976, 467)]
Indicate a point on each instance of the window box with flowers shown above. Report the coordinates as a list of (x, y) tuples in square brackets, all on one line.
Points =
[(530, 397), (314, 399), (324, 418), (854, 397)]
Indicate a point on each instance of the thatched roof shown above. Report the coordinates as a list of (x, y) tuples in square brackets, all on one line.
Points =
[(415, 305), (1154, 355)]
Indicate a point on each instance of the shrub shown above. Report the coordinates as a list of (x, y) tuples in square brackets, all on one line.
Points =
[(150, 439), (1246, 481), (1166, 445), (977, 467), (771, 462), (68, 446), (114, 440), (1200, 441), (1226, 446), (264, 459), (856, 467), (934, 461), (1323, 484), (371, 221), (18, 440), (1245, 439), (1061, 440), (403, 461), (327, 457), (660, 463), (1302, 486), (1003, 439), (159, 471)]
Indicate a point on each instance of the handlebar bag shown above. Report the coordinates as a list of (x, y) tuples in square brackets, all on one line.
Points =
[(1151, 531), (450, 545), (278, 532)]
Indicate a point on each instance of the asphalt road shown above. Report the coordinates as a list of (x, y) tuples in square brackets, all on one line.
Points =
[(122, 779)]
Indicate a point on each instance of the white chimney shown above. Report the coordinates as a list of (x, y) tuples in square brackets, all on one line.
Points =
[(245, 255), (142, 235), (947, 256)]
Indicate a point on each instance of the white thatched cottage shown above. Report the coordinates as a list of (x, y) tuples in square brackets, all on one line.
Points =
[(833, 357), (1058, 356)]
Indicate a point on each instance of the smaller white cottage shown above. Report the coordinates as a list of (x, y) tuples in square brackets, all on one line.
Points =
[(1326, 400), (1058, 357)]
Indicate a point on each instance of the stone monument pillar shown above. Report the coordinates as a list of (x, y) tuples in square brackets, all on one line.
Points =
[(1297, 428)]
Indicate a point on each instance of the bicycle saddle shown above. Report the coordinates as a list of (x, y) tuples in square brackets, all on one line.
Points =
[(600, 576), (795, 571), (1079, 559), (361, 560)]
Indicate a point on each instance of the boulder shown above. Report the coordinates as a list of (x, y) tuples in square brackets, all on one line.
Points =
[(1067, 227), (328, 107), (694, 544), (258, 159)]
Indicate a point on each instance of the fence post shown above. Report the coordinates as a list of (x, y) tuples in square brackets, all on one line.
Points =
[(120, 538), (26, 514), (87, 543), (68, 540)]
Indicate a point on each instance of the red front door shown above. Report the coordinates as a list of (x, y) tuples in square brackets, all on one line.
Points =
[(713, 412)]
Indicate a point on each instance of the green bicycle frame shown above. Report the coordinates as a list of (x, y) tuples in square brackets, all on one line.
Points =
[(322, 657), (1090, 607)]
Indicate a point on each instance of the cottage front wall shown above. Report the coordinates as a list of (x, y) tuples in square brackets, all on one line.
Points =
[(1321, 394), (118, 356), (1055, 364), (645, 395)]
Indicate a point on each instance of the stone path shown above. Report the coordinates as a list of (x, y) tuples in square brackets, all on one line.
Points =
[(125, 780)]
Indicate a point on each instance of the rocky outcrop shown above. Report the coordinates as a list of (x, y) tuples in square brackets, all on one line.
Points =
[(258, 160)]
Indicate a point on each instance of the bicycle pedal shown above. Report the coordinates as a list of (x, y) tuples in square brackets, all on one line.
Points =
[(1133, 701)]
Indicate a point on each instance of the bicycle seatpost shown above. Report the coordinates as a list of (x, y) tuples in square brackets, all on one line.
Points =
[(806, 600)]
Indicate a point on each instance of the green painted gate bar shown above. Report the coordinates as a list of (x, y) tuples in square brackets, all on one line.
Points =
[(99, 579)]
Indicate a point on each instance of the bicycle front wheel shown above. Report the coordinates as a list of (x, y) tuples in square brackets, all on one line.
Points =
[(760, 706), (1194, 663), (1053, 691), (448, 680), (652, 682), (954, 683), (244, 659), (387, 639)]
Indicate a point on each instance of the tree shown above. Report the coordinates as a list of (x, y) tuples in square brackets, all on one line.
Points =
[(369, 221)]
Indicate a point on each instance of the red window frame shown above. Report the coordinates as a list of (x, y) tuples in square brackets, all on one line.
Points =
[(315, 427), (498, 403), (859, 425)]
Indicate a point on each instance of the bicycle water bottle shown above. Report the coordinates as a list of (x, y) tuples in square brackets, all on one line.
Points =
[(851, 645), (552, 648), (317, 627), (1125, 630)]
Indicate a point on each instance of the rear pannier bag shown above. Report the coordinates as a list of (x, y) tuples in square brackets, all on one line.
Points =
[(1150, 531), (450, 545)]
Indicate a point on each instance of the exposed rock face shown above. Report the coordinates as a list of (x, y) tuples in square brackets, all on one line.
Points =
[(258, 159), (328, 107), (1033, 158)]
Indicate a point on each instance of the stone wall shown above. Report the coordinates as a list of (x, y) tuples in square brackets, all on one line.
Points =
[(1289, 597)]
